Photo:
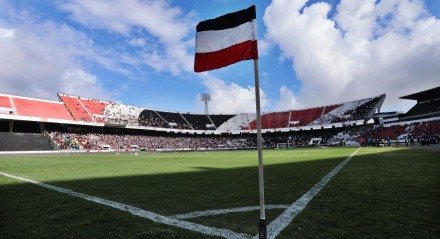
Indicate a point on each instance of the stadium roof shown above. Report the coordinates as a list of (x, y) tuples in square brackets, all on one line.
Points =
[(424, 95)]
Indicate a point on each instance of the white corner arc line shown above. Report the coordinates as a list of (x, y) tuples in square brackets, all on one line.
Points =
[(225, 211), (211, 231), (282, 221)]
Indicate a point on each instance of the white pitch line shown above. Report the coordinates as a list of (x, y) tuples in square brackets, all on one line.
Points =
[(225, 211), (212, 231), (281, 222)]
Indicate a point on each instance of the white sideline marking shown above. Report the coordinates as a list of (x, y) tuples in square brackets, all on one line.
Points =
[(225, 211), (212, 231), (281, 222)]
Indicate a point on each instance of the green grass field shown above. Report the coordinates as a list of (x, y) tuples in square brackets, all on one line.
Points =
[(380, 193)]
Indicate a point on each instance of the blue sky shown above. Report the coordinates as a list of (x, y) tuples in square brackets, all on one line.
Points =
[(141, 52)]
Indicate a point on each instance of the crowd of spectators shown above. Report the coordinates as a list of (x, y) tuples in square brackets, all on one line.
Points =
[(122, 142), (367, 135), (73, 141), (130, 115), (426, 128), (359, 112), (175, 120), (349, 111), (423, 133), (199, 122), (99, 118), (122, 114), (150, 118), (125, 142)]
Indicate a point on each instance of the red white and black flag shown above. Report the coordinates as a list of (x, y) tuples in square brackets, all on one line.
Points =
[(225, 40)]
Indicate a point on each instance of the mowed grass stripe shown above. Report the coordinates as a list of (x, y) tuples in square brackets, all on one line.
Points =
[(204, 180), (381, 193), (29, 211), (168, 183), (181, 183), (137, 211), (282, 221)]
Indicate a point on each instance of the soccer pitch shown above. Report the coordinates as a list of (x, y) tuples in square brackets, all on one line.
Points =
[(379, 192)]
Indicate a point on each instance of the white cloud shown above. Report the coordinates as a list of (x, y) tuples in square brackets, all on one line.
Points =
[(37, 59), (264, 46), (75, 81), (6, 33), (232, 98), (137, 42), (287, 100), (167, 24), (158, 17), (368, 47)]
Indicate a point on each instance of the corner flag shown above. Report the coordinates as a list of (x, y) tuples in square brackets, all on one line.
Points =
[(226, 40)]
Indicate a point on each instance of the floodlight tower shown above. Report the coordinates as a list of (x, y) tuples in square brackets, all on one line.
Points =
[(205, 97)]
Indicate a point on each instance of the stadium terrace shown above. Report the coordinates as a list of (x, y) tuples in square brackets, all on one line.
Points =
[(78, 123), (78, 110)]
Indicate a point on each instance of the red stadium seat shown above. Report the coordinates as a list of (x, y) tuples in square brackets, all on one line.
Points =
[(41, 108), (4, 102), (76, 108), (95, 106)]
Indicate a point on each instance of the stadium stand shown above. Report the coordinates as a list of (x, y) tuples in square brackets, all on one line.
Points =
[(40, 108), (349, 111), (272, 120), (199, 122), (107, 125), (220, 119), (364, 111), (98, 111), (304, 117), (95, 108), (428, 104), (5, 102), (23, 142), (5, 105), (356, 110), (424, 108), (391, 132), (329, 108), (76, 108), (175, 120), (127, 142), (426, 128), (121, 114), (370, 135), (150, 118), (238, 122)]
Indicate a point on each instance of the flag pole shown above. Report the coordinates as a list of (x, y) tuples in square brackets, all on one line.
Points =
[(262, 230)]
